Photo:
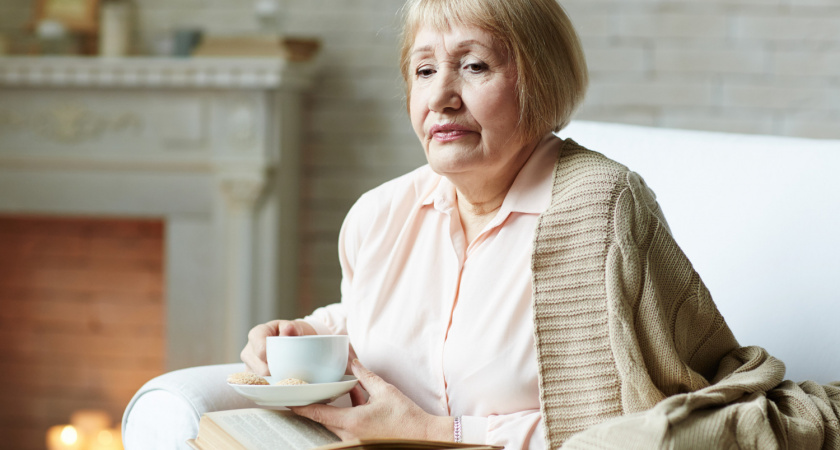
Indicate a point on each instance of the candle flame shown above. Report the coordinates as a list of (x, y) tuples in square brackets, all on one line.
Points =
[(105, 437), (69, 435)]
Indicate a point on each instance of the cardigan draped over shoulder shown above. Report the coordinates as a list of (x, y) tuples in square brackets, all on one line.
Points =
[(632, 350)]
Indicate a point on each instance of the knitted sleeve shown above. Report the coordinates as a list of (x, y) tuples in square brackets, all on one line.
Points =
[(669, 340), (664, 324)]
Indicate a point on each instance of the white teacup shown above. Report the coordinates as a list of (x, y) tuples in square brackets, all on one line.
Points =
[(314, 359)]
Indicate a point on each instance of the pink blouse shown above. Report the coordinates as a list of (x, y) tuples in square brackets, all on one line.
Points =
[(446, 321)]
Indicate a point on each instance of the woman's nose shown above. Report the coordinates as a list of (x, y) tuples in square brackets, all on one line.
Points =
[(446, 93)]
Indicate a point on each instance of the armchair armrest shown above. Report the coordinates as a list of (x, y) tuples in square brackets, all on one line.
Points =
[(165, 412)]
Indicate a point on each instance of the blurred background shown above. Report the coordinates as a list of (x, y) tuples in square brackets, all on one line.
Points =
[(749, 66)]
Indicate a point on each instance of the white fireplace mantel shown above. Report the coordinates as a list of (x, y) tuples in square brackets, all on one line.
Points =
[(225, 73), (210, 145)]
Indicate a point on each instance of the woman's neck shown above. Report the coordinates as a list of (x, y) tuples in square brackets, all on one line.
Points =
[(479, 197), (475, 215)]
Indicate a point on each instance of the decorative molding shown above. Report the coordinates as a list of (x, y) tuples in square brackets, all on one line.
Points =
[(204, 72), (186, 137), (160, 163), (241, 124), (70, 123), (242, 192)]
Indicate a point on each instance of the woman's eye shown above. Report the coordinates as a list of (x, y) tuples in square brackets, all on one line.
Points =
[(475, 67), (425, 72)]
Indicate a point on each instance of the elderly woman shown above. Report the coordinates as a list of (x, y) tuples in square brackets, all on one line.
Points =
[(519, 289)]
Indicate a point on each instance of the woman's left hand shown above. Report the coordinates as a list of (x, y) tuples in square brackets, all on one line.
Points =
[(387, 413)]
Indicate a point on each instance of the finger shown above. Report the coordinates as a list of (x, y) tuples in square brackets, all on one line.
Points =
[(351, 355), (370, 381), (357, 396), (273, 326), (288, 329), (254, 364), (328, 416), (254, 354), (256, 338)]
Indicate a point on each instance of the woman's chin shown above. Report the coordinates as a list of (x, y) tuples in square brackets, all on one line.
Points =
[(454, 166), (452, 153)]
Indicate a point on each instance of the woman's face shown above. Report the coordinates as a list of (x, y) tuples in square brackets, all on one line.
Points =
[(463, 103)]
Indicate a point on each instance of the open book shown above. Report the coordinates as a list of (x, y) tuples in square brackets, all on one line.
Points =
[(265, 429)]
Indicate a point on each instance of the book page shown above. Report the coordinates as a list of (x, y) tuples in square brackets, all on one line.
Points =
[(262, 429), (403, 444)]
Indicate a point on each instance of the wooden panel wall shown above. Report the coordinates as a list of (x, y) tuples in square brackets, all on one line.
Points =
[(81, 319)]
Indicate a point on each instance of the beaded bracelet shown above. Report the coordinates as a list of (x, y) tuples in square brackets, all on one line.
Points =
[(458, 437)]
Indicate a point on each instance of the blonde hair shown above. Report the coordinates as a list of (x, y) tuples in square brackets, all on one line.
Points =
[(537, 34)]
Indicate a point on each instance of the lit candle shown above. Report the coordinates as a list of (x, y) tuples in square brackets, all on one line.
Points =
[(109, 439), (63, 437), (89, 422)]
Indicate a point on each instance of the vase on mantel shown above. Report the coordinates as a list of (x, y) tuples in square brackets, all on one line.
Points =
[(269, 14), (115, 28)]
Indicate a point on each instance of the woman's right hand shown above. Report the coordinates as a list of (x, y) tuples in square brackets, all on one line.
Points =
[(253, 355)]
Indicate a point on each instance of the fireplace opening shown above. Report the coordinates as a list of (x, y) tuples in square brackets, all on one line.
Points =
[(82, 319)]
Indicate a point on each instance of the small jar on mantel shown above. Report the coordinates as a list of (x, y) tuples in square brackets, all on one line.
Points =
[(115, 28)]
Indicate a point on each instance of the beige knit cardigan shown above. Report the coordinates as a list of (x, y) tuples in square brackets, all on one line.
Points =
[(632, 351)]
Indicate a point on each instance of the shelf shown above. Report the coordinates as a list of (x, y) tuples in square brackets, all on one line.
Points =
[(203, 72)]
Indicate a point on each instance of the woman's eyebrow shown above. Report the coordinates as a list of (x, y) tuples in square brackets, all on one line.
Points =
[(472, 43), (424, 49), (460, 45)]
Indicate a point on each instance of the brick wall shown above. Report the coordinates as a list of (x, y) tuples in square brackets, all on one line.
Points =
[(755, 66), (81, 319)]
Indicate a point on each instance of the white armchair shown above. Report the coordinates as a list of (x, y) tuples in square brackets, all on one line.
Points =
[(164, 413), (758, 216)]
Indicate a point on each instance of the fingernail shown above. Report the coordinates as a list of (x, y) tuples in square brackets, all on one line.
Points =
[(356, 362)]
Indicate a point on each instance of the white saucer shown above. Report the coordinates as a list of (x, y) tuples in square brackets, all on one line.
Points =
[(295, 395)]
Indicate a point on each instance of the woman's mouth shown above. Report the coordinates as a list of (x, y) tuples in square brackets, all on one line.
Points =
[(448, 132)]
